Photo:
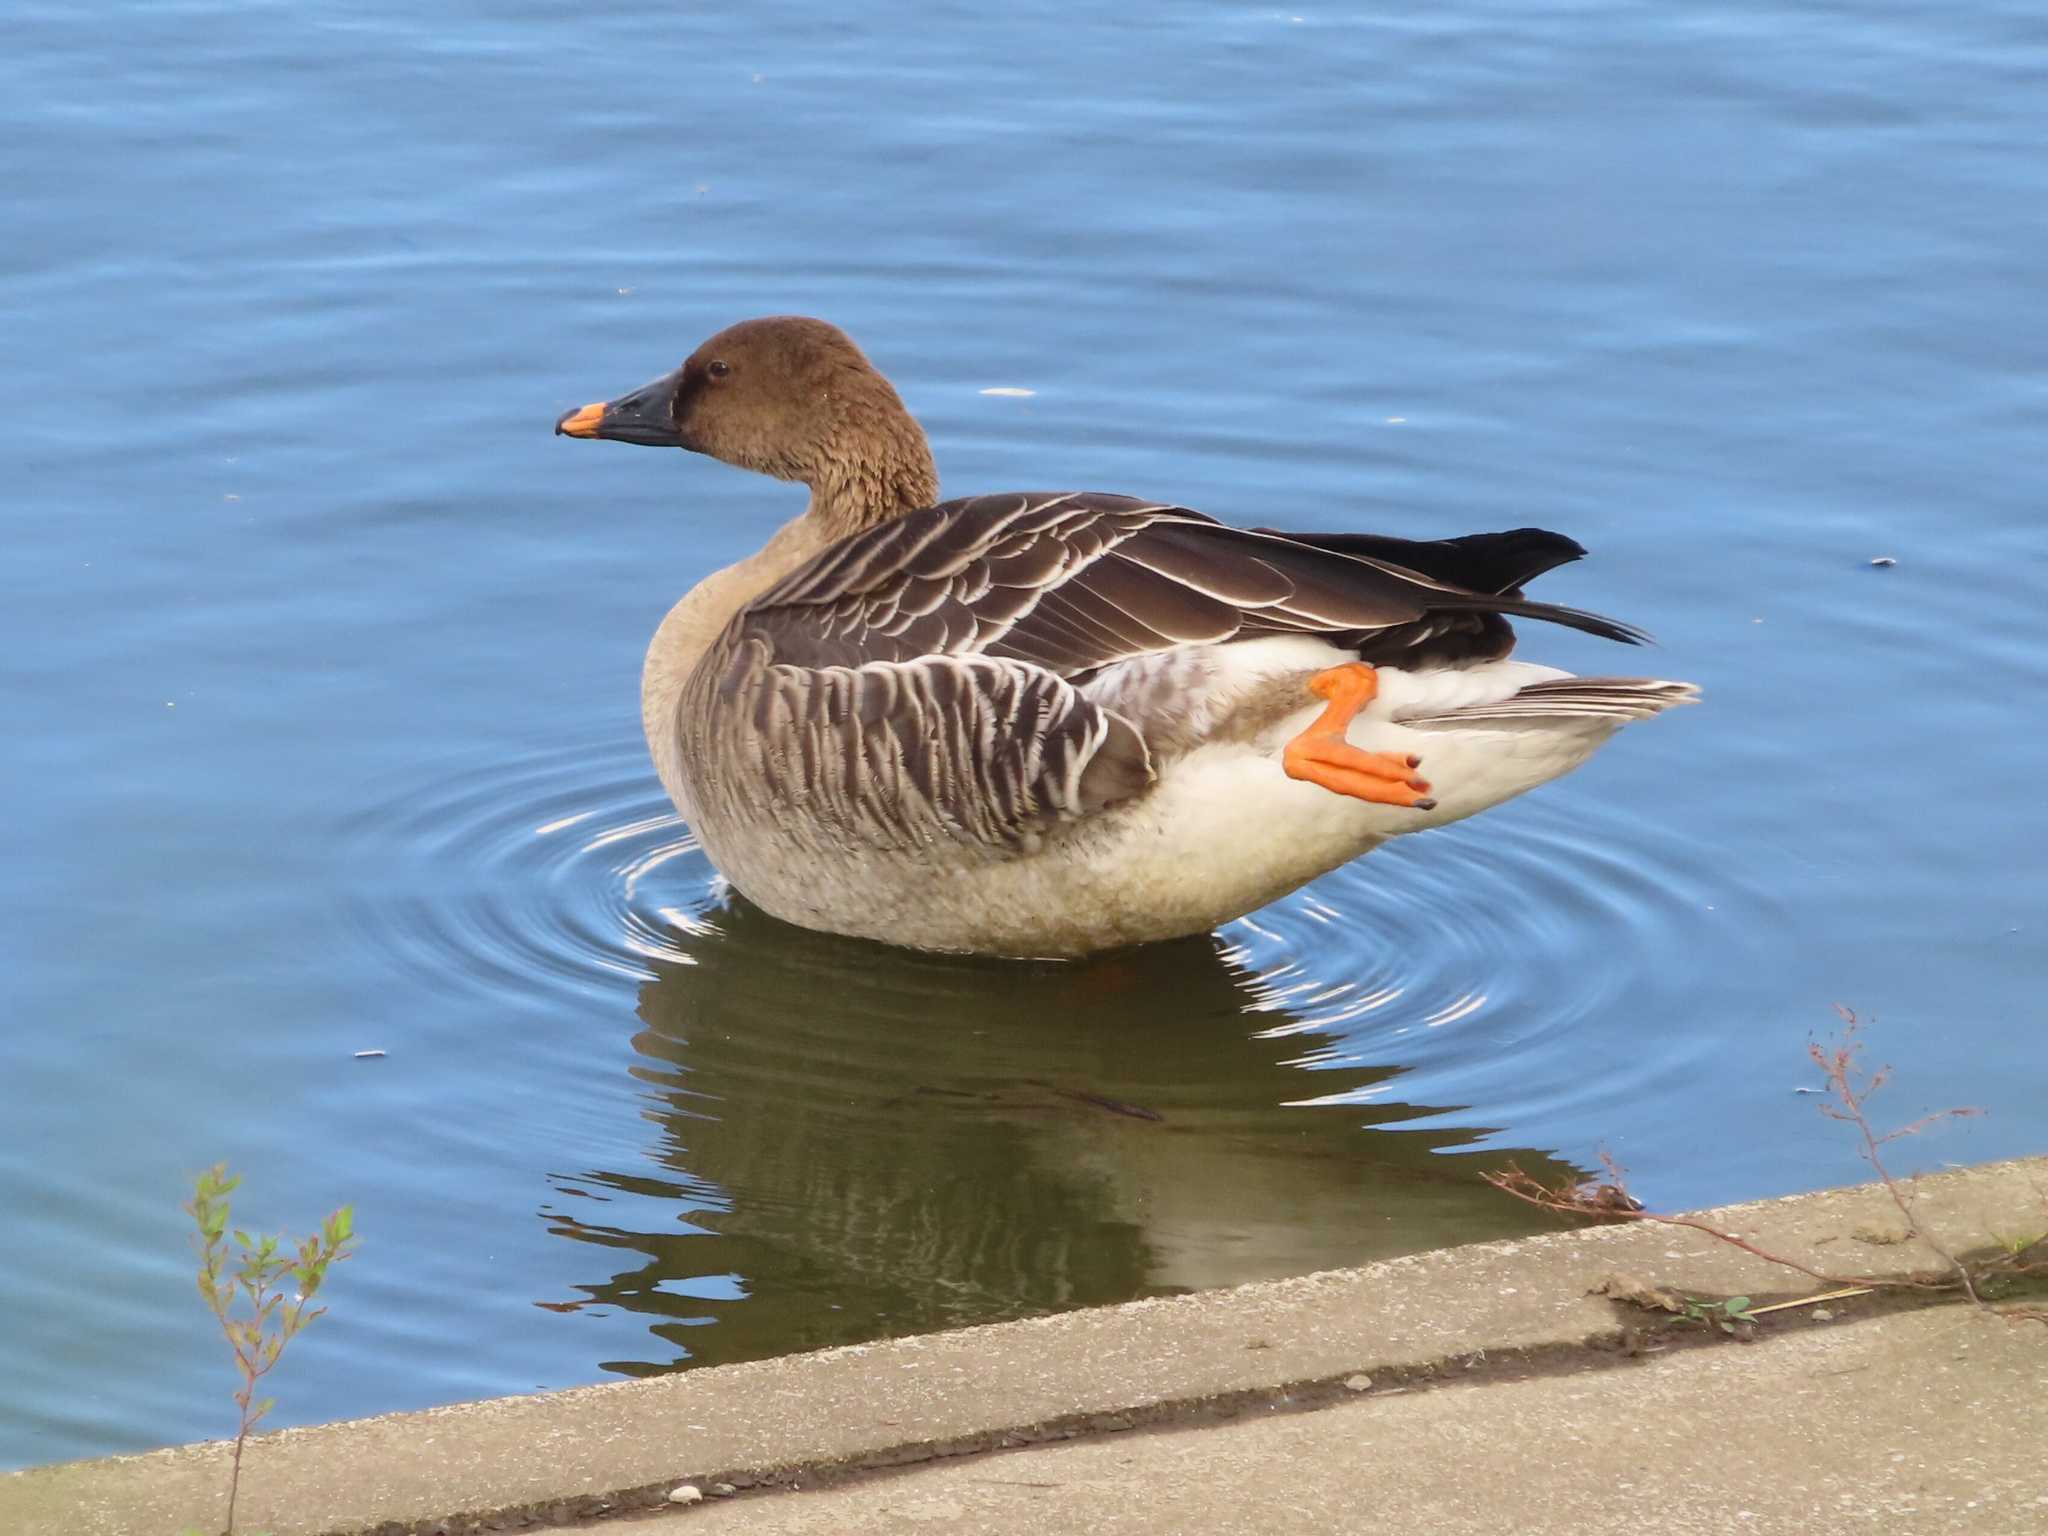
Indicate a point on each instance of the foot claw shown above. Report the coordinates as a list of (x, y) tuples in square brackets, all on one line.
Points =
[(1321, 755)]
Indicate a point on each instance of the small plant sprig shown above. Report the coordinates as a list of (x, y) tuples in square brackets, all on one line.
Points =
[(1729, 1316), (1850, 1086), (232, 1265)]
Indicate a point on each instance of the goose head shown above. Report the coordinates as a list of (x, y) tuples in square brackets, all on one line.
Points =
[(786, 396)]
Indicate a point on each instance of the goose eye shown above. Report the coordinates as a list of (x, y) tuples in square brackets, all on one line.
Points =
[(717, 368)]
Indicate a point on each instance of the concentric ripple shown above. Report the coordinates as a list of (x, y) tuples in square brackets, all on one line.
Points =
[(1489, 962), (1499, 960), (565, 871)]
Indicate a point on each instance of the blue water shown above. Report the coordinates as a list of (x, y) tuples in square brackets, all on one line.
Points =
[(319, 654)]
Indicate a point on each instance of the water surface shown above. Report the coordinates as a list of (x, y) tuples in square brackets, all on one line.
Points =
[(318, 657)]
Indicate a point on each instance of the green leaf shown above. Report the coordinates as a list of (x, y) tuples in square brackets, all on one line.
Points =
[(256, 1276)]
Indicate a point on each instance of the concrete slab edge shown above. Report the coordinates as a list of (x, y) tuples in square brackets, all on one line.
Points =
[(509, 1463)]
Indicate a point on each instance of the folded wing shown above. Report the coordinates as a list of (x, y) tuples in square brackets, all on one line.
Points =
[(918, 678)]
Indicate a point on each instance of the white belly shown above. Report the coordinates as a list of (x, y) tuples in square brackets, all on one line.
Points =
[(1227, 831)]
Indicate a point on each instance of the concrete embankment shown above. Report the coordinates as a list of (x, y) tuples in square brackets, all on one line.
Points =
[(1482, 1388)]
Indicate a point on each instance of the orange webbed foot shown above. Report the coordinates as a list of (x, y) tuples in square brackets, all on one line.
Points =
[(1320, 754)]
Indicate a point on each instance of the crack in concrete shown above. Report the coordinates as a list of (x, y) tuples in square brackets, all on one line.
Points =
[(1626, 1345)]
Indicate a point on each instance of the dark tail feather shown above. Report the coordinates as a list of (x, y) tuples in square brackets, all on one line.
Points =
[(1478, 562), (1523, 608)]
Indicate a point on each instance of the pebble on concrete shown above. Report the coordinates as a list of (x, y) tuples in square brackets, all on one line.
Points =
[(685, 1493), (1359, 1383)]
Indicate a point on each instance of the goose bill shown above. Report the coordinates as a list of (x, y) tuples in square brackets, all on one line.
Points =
[(646, 416)]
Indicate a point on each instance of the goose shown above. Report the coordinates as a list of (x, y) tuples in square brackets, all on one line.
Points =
[(1047, 724)]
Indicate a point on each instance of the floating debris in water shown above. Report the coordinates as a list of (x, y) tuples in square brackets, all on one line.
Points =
[(368, 1055), (1010, 392), (1883, 560)]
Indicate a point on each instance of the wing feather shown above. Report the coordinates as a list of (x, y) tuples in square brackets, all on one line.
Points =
[(917, 680), (1078, 581)]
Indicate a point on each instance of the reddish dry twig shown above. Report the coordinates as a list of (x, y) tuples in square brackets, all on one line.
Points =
[(2018, 1259), (1840, 1066), (1850, 1089), (1607, 1200)]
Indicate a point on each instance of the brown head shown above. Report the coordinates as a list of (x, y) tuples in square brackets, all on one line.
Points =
[(790, 397)]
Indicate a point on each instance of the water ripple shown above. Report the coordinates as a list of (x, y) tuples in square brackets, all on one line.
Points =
[(1481, 956), (1488, 957), (565, 871)]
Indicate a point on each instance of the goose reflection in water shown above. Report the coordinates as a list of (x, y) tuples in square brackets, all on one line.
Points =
[(852, 1142)]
